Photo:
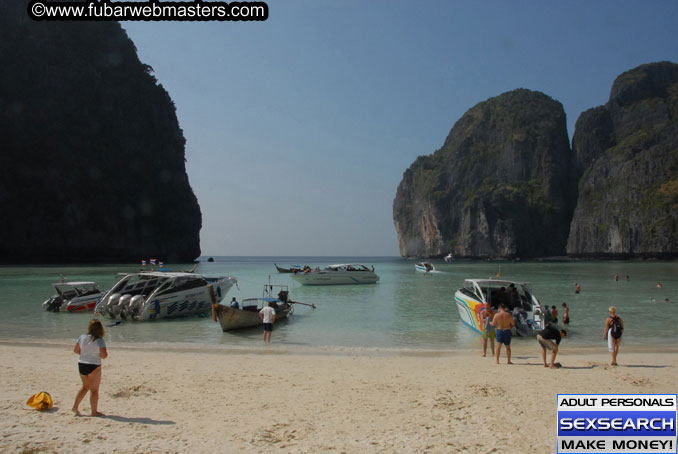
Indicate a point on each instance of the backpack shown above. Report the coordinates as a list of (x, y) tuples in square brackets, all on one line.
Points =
[(616, 327), (40, 401)]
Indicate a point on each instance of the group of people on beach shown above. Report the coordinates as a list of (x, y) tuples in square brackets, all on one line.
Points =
[(91, 347), (499, 325)]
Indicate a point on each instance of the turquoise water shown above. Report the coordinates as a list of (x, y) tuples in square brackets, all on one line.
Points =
[(405, 310)]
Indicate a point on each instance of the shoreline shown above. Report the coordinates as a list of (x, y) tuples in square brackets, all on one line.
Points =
[(159, 401), (287, 349)]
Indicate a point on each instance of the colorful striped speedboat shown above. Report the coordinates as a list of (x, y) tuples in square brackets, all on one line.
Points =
[(519, 300)]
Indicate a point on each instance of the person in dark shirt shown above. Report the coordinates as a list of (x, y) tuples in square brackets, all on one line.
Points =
[(549, 338), (499, 297), (513, 297)]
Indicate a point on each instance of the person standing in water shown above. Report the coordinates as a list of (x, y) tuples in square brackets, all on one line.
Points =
[(267, 315), (566, 315), (92, 349), (554, 315), (548, 315)]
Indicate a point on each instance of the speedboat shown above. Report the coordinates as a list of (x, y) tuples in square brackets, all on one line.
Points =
[(353, 273), (246, 314), (449, 257), (516, 296), (159, 294), (426, 267), (73, 297)]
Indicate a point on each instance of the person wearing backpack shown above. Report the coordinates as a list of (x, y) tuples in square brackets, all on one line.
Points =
[(614, 327)]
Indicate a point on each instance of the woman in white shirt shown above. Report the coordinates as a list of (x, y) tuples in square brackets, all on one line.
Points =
[(92, 349)]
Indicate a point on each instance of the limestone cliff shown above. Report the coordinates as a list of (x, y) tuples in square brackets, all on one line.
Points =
[(627, 155), (92, 164), (500, 186)]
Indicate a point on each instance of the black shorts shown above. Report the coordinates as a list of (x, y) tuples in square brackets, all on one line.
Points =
[(268, 326), (86, 369)]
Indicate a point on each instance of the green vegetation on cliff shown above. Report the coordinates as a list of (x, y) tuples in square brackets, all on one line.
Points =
[(499, 183), (627, 190)]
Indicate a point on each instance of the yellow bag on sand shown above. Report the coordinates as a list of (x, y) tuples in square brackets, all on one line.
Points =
[(40, 401)]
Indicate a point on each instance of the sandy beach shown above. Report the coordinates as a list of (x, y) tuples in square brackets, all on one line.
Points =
[(275, 400)]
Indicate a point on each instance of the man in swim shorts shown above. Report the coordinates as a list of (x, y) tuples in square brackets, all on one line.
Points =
[(503, 322)]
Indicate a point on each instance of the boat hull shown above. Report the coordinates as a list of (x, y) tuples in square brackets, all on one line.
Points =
[(288, 270), (524, 307), (469, 310), (231, 318), (82, 304), (85, 303), (336, 278), (193, 301), (181, 304)]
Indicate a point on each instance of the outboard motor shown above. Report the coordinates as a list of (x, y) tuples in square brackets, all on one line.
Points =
[(123, 302), (134, 307), (283, 295), (107, 306), (121, 307), (52, 304)]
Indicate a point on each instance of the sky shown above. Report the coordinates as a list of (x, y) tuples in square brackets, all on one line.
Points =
[(299, 128)]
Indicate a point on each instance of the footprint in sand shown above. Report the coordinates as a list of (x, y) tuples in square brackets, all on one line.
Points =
[(448, 401), (135, 391), (488, 391), (640, 381)]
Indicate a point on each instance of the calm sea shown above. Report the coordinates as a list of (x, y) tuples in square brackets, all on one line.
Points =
[(405, 310)]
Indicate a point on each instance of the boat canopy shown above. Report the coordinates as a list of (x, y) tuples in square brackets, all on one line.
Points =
[(484, 290), (77, 287), (348, 267), (75, 284)]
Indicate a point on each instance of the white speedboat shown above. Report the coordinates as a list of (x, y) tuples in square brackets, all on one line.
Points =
[(353, 273), (517, 297), (426, 267), (157, 294), (449, 257), (73, 297)]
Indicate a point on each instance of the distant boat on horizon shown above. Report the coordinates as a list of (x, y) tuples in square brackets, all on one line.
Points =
[(345, 274)]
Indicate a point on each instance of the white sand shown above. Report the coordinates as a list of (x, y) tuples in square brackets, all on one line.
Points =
[(272, 401)]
